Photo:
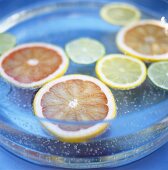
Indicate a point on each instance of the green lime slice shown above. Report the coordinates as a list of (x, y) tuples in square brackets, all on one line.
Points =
[(85, 50), (120, 13), (158, 74), (7, 41)]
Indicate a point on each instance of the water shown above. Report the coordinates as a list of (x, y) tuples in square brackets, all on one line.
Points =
[(134, 106)]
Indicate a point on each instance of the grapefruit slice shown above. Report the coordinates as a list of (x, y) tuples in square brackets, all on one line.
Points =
[(146, 40), (75, 98), (32, 65)]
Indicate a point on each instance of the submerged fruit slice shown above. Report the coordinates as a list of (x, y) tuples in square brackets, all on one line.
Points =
[(158, 74), (85, 50), (120, 13), (75, 98), (146, 40), (7, 41), (32, 65), (121, 72)]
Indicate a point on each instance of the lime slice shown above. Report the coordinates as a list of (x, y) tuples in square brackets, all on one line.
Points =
[(121, 72), (158, 74), (7, 41), (85, 50), (120, 13)]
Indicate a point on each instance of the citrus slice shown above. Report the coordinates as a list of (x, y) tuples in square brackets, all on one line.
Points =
[(32, 65), (121, 72), (85, 50), (120, 13), (7, 41), (75, 98), (158, 74), (146, 40)]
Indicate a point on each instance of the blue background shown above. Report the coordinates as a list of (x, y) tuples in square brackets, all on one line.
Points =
[(156, 161)]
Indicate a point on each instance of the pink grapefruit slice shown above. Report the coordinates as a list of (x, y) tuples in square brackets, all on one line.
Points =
[(75, 98), (146, 40), (32, 65)]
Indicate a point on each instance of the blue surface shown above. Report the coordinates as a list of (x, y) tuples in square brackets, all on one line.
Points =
[(156, 161)]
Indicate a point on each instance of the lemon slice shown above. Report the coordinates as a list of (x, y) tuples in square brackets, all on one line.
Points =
[(146, 40), (32, 65), (121, 72), (7, 41), (158, 74), (85, 50), (75, 98), (120, 13)]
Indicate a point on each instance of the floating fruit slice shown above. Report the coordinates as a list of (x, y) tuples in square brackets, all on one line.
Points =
[(121, 72), (75, 98), (120, 13), (85, 50), (7, 41), (32, 65), (146, 40), (158, 74)]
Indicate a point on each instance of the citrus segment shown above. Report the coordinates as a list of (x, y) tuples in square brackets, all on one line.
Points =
[(158, 74), (120, 13), (75, 98), (32, 65), (121, 72), (7, 41), (146, 40), (85, 50)]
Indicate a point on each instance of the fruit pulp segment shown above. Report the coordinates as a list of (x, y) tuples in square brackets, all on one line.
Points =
[(75, 100)]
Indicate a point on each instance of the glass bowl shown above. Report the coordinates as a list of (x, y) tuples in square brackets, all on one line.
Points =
[(141, 125)]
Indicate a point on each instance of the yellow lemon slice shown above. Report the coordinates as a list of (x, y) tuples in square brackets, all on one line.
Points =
[(120, 13), (121, 72)]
